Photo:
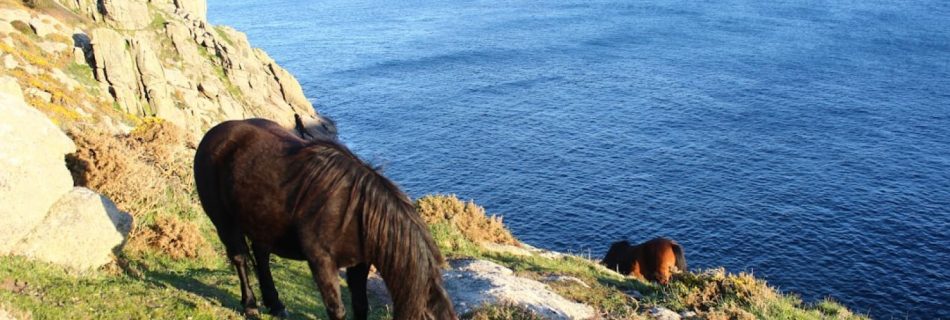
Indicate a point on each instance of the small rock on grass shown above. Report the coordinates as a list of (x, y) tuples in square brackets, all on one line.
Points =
[(660, 313)]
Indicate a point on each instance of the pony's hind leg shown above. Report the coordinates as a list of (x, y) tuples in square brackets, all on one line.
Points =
[(268, 290), (356, 279), (238, 254)]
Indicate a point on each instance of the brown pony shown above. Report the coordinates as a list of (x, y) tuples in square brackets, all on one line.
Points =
[(654, 260), (315, 201)]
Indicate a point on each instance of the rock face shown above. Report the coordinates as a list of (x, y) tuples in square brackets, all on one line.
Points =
[(198, 9), (125, 14), (472, 283), (33, 173), (81, 231), (114, 66), (43, 216), (161, 58)]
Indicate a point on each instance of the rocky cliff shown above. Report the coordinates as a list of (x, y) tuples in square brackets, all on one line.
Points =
[(114, 62), (97, 69)]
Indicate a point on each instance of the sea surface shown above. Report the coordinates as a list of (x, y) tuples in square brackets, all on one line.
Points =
[(807, 142)]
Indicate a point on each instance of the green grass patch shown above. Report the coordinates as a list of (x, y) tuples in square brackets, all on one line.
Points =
[(158, 20), (84, 74), (149, 287), (223, 35)]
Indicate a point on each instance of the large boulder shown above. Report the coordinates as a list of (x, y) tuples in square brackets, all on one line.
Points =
[(33, 173), (82, 231), (472, 283)]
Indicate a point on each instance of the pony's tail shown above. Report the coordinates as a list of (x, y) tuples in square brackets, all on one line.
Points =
[(680, 258)]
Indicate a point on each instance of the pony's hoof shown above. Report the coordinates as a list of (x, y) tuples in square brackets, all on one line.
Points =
[(252, 313), (280, 313)]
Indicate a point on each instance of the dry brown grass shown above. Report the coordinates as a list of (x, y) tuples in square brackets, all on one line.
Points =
[(467, 217), (148, 174), (177, 238), (108, 164)]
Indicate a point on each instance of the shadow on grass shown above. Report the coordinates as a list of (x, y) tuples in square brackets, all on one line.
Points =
[(292, 278), (192, 280)]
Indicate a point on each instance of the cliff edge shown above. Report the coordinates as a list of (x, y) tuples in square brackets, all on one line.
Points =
[(114, 62)]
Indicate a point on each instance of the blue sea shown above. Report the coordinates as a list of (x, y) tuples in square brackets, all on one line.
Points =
[(807, 142)]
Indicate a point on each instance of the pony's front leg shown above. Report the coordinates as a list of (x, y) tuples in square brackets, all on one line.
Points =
[(328, 281), (356, 279)]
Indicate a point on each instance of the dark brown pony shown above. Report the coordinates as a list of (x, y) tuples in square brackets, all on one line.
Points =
[(315, 201), (654, 260)]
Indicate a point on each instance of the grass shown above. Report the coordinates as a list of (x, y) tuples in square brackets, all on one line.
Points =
[(158, 20), (223, 35), (84, 74), (153, 288)]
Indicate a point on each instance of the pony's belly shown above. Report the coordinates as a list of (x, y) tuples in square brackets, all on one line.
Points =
[(287, 245)]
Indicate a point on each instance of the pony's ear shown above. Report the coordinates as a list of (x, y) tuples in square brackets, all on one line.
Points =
[(298, 125)]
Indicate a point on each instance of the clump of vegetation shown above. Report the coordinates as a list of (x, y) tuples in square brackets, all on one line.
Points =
[(23, 28), (108, 164), (147, 173), (466, 217), (716, 294), (177, 238)]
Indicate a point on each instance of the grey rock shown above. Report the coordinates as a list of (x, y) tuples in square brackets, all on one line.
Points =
[(39, 94), (52, 47), (44, 25), (660, 313), (79, 56), (66, 80), (152, 78), (82, 231), (9, 62), (115, 65), (472, 283), (126, 14), (197, 9), (33, 174), (88, 8), (9, 86)]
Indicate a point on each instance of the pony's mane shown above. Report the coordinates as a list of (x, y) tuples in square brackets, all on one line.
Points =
[(392, 236)]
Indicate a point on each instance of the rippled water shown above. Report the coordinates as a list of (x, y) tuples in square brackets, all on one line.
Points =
[(806, 141)]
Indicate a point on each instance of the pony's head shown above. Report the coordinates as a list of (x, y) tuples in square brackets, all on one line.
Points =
[(317, 127)]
